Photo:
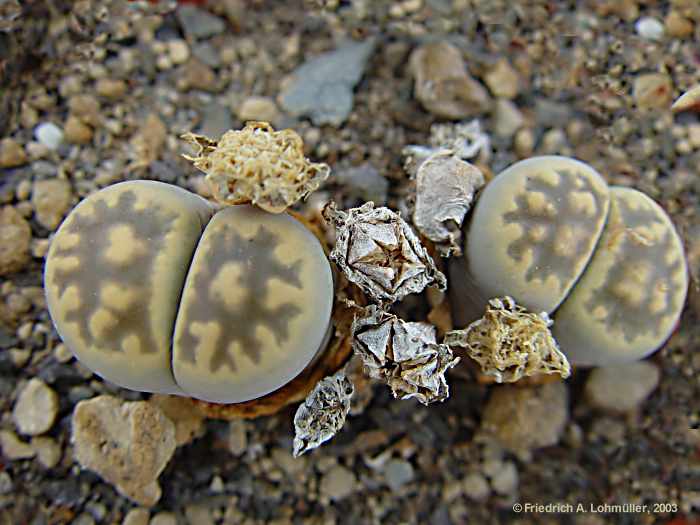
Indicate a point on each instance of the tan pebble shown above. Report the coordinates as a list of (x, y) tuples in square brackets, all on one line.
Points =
[(51, 200), (526, 418), (18, 303), (37, 151), (36, 408), (13, 447), (24, 190), (86, 108), (12, 154), (111, 88), (189, 422), (508, 118), (258, 108), (62, 353), (141, 442), (652, 91), (442, 83), (76, 131), (40, 248), (688, 101), (524, 143), (24, 208), (503, 80), (196, 75), (694, 135), (677, 25), (137, 516), (621, 388), (15, 239), (179, 51), (48, 451), (20, 356), (163, 518)]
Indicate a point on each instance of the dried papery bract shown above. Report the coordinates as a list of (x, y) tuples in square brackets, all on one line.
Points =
[(404, 355), (378, 251), (257, 165), (445, 188), (465, 140), (511, 343), (323, 412)]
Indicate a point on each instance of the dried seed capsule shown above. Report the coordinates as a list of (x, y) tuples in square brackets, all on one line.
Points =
[(114, 275), (534, 229), (248, 294), (628, 300), (255, 307)]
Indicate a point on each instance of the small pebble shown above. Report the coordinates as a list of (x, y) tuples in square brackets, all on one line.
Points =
[(179, 51), (51, 200), (36, 408), (338, 483), (198, 23), (164, 518), (237, 437), (508, 118), (5, 482), (258, 108), (86, 108), (13, 447), (503, 80), (48, 451), (76, 131), (649, 28), (198, 515), (49, 134), (16, 236), (505, 480), (652, 90), (677, 25), (12, 154), (398, 472), (526, 418), (476, 487), (111, 88), (622, 388), (137, 516)]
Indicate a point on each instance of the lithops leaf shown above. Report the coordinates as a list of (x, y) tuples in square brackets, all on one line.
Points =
[(114, 274), (534, 229), (629, 299), (255, 308)]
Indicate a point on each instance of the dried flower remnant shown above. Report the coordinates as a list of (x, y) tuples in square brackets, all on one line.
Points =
[(378, 251), (511, 343), (257, 165), (688, 101), (445, 188), (323, 412), (404, 355), (465, 140)]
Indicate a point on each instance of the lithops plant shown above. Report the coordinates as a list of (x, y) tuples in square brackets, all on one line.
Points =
[(157, 290), (607, 262), (628, 300), (534, 228)]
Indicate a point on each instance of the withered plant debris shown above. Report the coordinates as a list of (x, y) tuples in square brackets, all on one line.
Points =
[(323, 412), (378, 251), (403, 355), (445, 188), (257, 165), (511, 343), (465, 140)]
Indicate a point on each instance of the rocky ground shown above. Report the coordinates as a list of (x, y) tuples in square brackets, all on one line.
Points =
[(92, 93)]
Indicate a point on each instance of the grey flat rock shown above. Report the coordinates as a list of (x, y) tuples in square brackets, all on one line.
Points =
[(322, 86)]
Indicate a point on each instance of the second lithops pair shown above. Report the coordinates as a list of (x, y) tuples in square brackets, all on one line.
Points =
[(606, 261)]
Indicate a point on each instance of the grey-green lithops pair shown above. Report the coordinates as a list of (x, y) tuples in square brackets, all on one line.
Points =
[(549, 232), (157, 290)]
